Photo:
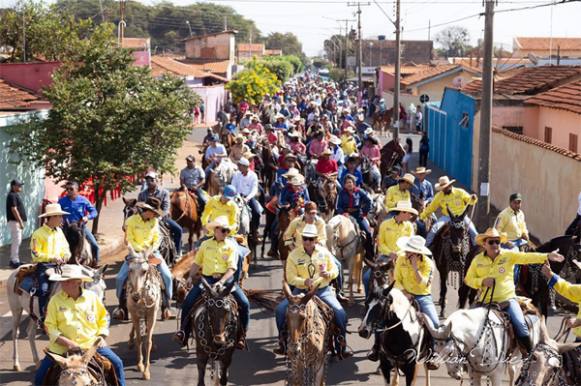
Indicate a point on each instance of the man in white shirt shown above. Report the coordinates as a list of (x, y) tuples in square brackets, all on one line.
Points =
[(216, 149), (246, 183), (575, 227)]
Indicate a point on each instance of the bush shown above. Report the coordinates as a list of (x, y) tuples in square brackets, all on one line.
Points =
[(253, 84)]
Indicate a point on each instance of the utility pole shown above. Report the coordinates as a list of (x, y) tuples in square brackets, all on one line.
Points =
[(429, 28), (359, 43), (485, 119), (24, 34), (225, 23), (122, 24), (189, 26), (396, 86), (344, 56)]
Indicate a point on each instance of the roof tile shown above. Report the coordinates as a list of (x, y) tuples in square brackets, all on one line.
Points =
[(545, 43), (12, 98), (566, 97), (538, 143)]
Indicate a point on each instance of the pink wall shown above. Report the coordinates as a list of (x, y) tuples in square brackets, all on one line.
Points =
[(525, 116), (563, 123), (213, 97), (33, 76), (142, 58)]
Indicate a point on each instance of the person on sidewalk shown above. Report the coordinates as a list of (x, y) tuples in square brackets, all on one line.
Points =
[(142, 233), (49, 248), (16, 217), (424, 149), (80, 211), (75, 319), (153, 190), (193, 178)]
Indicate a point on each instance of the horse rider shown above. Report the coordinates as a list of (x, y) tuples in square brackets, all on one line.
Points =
[(217, 258), (492, 271), (75, 319), (372, 152), (215, 150), (348, 142), (338, 155), (391, 178), (222, 205), (245, 121), (245, 182), (192, 177), (318, 144), (422, 188), (352, 167), (49, 248), (355, 202), (308, 266), (399, 192), (287, 163), (154, 190), (80, 211), (512, 222), (294, 194), (142, 234), (413, 273), (390, 231), (293, 236), (449, 198)]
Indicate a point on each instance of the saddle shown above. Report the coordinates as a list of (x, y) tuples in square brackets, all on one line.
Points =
[(99, 367), (26, 280)]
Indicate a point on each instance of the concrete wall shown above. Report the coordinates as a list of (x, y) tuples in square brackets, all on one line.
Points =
[(435, 88), (218, 47), (213, 97), (548, 180)]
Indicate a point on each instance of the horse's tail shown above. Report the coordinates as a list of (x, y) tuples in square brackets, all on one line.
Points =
[(268, 299)]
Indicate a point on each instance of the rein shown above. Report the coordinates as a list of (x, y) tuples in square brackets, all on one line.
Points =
[(187, 206)]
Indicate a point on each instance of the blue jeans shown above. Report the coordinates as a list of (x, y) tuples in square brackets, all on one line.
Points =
[(256, 211), (445, 219), (195, 293), (117, 363), (94, 246), (517, 319), (327, 296), (367, 281), (339, 278), (43, 291), (163, 270), (427, 306), (176, 233), (368, 244)]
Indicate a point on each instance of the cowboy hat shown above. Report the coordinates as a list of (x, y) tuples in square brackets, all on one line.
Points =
[(290, 155), (243, 162), (293, 134), (443, 183), (153, 204), (349, 129), (248, 155), (413, 244), (292, 172), (297, 180), (368, 131), (335, 140), (491, 233), (190, 158), (53, 210), (279, 116), (219, 222), (327, 151), (373, 140), (310, 230), (245, 131), (422, 170), (69, 272), (409, 178), (239, 138), (404, 206)]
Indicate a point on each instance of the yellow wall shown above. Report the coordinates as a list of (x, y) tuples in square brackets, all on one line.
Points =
[(435, 89)]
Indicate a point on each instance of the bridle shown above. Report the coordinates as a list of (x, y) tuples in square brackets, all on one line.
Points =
[(547, 351), (151, 288)]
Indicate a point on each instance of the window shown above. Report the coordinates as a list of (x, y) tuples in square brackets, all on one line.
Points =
[(573, 140), (514, 129), (548, 134)]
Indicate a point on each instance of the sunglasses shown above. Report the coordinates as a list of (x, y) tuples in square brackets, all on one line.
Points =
[(308, 239), (223, 230), (493, 242)]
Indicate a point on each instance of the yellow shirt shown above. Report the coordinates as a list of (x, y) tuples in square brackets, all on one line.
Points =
[(405, 275), (142, 235), (215, 208), (216, 257), (348, 144), (511, 223), (502, 270), (573, 293), (295, 230), (457, 201), (389, 232), (81, 320), (48, 244), (395, 194), (298, 263)]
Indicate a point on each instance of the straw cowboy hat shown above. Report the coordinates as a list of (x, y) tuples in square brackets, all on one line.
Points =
[(327, 151), (443, 183), (491, 233), (297, 180), (409, 178), (219, 222), (413, 244), (279, 116), (293, 134), (335, 140), (404, 206), (310, 230), (69, 272), (153, 204), (292, 172), (53, 210), (422, 170), (239, 138), (249, 155)]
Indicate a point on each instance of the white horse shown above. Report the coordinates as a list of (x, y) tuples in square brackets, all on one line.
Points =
[(221, 176), (378, 211), (344, 241), (20, 302), (143, 303)]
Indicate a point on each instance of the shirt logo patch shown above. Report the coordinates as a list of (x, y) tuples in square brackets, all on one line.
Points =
[(90, 317), (62, 309), (501, 270)]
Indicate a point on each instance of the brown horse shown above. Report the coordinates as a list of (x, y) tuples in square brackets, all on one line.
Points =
[(382, 119), (284, 219), (327, 190), (308, 338), (391, 154), (269, 166), (184, 210)]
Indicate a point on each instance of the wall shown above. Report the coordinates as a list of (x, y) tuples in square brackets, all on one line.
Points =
[(213, 97), (33, 76), (548, 178), (525, 116), (33, 179), (218, 47), (562, 122), (435, 88)]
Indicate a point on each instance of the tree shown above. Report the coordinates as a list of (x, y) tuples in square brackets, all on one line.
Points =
[(454, 40), (109, 119), (252, 84), (287, 42)]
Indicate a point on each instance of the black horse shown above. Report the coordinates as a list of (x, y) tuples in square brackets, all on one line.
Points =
[(79, 246)]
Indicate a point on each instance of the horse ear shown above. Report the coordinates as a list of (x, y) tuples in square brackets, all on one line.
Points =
[(124, 200), (88, 355), (132, 252), (544, 332), (59, 359), (387, 290)]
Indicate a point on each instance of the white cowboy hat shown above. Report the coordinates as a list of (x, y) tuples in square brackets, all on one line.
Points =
[(279, 116), (443, 183), (407, 178), (245, 131), (310, 230), (335, 140), (422, 170), (244, 162), (349, 129), (491, 233), (297, 180), (368, 131), (219, 222), (292, 172), (404, 206), (53, 210), (413, 244), (151, 174), (69, 272)]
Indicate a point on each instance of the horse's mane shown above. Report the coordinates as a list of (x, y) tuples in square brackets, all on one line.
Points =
[(401, 307), (183, 266)]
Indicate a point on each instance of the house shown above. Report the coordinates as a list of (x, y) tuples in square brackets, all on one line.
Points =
[(273, 52), (545, 47), (248, 51), (140, 49), (379, 52), (212, 52)]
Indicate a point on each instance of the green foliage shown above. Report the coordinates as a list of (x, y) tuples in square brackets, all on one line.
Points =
[(109, 119), (279, 67), (253, 83), (335, 49), (287, 42), (338, 74), (295, 61)]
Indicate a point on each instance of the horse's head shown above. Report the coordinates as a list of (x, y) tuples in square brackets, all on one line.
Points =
[(297, 315), (74, 368), (75, 235), (129, 209), (98, 285), (378, 310), (137, 276), (446, 349), (219, 309), (459, 235)]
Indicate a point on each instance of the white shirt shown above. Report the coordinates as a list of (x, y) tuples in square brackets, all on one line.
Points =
[(246, 185), (219, 149)]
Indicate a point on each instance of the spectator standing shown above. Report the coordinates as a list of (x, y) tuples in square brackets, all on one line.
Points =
[(424, 149), (16, 217)]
